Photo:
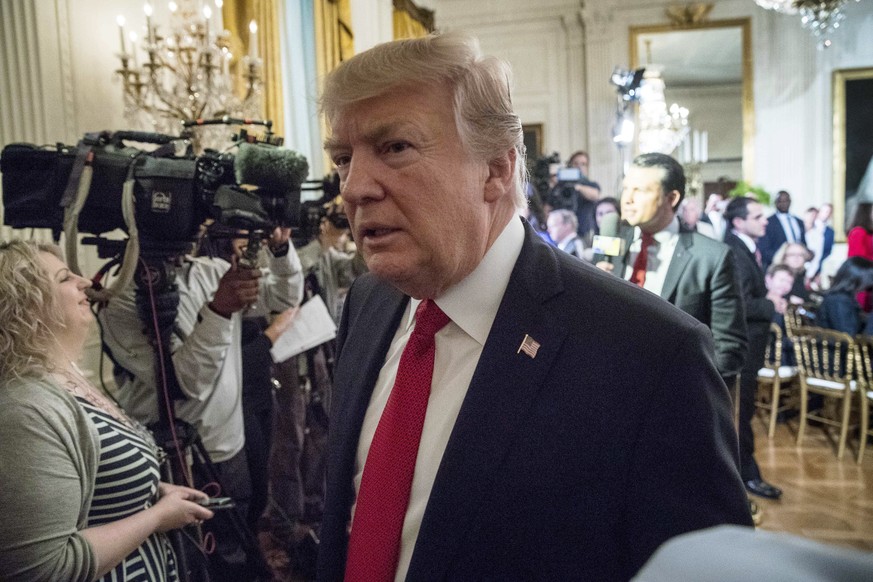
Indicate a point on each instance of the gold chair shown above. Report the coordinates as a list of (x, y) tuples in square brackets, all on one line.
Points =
[(777, 378), (796, 318), (826, 365), (865, 348)]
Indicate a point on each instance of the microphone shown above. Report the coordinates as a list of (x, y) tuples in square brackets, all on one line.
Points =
[(276, 170), (607, 243)]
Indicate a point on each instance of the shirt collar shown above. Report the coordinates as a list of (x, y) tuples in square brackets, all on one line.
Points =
[(747, 240), (662, 236), (472, 303)]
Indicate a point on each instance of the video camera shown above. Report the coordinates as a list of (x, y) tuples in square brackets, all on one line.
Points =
[(103, 184), (564, 194)]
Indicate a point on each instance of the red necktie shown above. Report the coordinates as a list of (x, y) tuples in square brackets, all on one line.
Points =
[(374, 545), (758, 258), (639, 273)]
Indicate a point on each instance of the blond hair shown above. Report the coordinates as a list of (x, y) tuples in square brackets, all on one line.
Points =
[(480, 86), (28, 311)]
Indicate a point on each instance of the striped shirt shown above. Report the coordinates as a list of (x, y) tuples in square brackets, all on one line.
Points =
[(127, 482)]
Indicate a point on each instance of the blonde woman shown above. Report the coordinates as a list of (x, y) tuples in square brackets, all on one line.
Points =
[(80, 496)]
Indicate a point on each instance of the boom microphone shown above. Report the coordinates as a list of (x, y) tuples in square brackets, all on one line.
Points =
[(276, 170), (607, 243)]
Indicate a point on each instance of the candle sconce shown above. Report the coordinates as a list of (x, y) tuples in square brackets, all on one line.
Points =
[(693, 153), (186, 74)]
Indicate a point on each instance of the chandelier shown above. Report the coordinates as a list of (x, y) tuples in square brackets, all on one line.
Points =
[(184, 74), (821, 17), (662, 129)]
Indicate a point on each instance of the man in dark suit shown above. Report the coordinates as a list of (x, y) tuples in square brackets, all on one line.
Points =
[(693, 272), (782, 227), (747, 221), (554, 440)]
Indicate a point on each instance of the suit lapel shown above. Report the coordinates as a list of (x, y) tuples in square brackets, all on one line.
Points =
[(501, 392), (681, 258), (363, 354)]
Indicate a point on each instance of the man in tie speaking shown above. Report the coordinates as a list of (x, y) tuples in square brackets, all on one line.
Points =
[(497, 413), (691, 271)]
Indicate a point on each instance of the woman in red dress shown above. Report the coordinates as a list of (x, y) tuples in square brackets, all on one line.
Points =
[(860, 239)]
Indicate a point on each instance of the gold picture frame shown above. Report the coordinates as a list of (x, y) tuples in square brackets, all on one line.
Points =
[(533, 140), (853, 140)]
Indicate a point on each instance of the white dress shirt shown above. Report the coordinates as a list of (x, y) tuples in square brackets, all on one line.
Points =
[(472, 306), (660, 255), (750, 243), (789, 226)]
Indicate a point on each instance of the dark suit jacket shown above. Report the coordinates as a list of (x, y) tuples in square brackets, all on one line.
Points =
[(827, 247), (774, 237), (575, 464), (701, 281), (839, 311), (759, 309)]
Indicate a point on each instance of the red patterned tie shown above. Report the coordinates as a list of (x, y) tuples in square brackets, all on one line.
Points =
[(639, 273), (374, 546)]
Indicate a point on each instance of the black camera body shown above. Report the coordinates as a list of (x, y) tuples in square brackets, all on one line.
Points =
[(172, 195), (564, 195)]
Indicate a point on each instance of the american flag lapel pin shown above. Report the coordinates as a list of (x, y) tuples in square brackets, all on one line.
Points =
[(529, 346)]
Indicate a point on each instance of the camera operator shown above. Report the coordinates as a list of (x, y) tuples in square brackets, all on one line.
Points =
[(207, 356), (327, 259), (574, 191)]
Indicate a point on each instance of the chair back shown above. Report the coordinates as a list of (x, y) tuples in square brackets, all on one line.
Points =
[(825, 354), (773, 354), (797, 317), (864, 347)]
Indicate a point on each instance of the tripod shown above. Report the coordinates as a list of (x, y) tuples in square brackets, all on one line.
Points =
[(157, 301)]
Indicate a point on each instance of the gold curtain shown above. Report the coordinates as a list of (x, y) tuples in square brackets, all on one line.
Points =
[(410, 21), (237, 14), (334, 39), (334, 43)]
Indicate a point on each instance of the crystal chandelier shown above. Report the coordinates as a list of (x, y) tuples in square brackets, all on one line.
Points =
[(821, 17), (662, 129), (185, 74)]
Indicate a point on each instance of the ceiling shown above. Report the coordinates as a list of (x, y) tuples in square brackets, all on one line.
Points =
[(708, 56)]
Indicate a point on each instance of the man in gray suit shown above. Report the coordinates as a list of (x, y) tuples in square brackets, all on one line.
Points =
[(691, 271), (535, 448)]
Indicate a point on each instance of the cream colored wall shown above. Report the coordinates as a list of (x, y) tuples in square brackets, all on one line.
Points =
[(717, 110), (564, 51)]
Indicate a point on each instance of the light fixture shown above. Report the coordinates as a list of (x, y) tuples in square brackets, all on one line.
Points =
[(185, 74), (662, 129), (623, 130), (821, 17)]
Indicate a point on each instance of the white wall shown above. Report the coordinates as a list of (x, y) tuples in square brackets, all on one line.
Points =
[(717, 110), (58, 58), (792, 79)]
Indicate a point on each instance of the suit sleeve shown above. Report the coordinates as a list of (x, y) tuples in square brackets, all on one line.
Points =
[(728, 317), (684, 472), (757, 308)]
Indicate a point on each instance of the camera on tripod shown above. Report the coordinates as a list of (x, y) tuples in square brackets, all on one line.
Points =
[(170, 195)]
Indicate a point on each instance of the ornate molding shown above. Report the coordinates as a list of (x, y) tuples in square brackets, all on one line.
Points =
[(688, 14)]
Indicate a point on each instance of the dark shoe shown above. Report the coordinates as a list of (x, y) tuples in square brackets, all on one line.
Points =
[(761, 488)]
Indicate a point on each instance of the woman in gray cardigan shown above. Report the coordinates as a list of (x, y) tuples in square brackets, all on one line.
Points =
[(80, 496)]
